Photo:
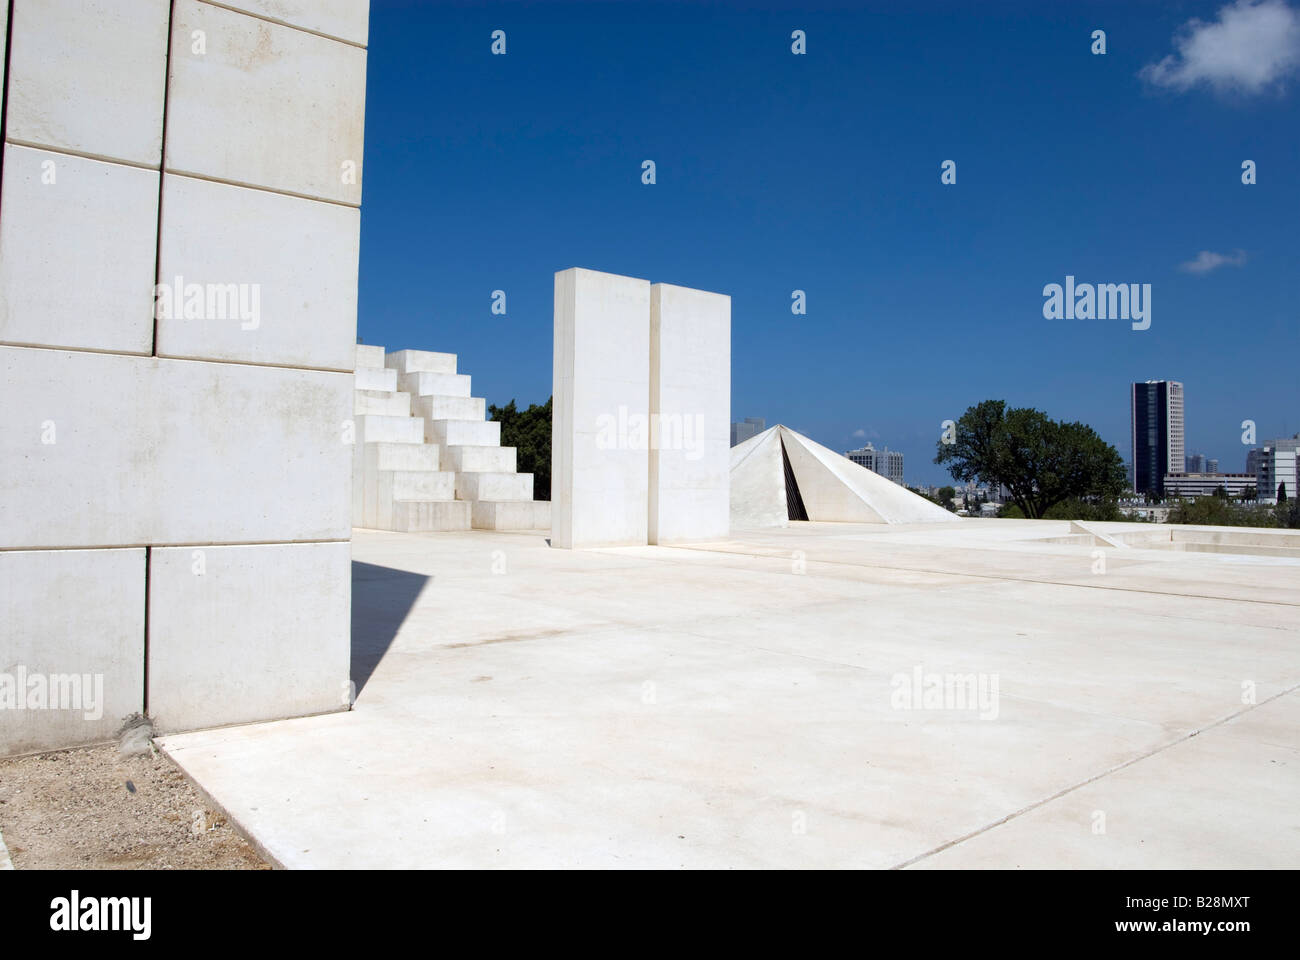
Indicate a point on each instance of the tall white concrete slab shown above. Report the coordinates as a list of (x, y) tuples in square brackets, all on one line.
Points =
[(265, 104), (282, 271), (243, 633), (88, 76), (76, 252), (600, 420), (72, 656), (690, 404)]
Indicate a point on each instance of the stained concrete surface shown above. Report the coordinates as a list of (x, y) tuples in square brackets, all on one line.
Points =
[(734, 704)]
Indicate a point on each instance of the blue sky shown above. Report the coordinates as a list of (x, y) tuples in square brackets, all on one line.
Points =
[(821, 172)]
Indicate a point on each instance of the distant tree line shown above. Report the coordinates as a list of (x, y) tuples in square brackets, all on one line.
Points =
[(529, 432)]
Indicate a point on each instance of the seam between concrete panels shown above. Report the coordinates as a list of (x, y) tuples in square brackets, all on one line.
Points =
[(178, 359), (283, 23), (144, 686), (157, 234), (171, 171), (174, 545), (1093, 779), (85, 155), (4, 111)]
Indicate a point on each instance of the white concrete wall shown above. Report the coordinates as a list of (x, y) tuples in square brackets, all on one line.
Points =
[(690, 397), (131, 440), (77, 251), (145, 450), (600, 419), (301, 254), (66, 613), (248, 632)]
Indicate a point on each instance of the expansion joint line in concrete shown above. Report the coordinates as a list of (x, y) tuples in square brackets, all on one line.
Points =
[(169, 545), (4, 81), (144, 697), (284, 23), (162, 165), (1093, 779), (702, 548), (174, 357)]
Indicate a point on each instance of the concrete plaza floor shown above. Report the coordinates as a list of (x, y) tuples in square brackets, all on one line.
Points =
[(741, 704)]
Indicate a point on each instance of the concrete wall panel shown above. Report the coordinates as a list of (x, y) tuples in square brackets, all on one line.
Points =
[(77, 252), (66, 614), (600, 424), (344, 19), (88, 76), (690, 395), (238, 634), (290, 264), (265, 104), (118, 450)]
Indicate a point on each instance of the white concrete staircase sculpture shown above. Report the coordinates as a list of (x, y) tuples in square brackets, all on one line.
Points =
[(426, 458)]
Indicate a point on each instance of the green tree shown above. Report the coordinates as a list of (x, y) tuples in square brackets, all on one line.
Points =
[(529, 432), (944, 498), (1281, 493), (1214, 511), (1041, 461)]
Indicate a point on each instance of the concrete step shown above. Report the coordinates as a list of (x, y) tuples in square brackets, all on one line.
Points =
[(494, 486), (450, 408), (399, 456), (382, 402), (414, 516), (471, 433), (418, 484), (371, 378), (375, 491), (479, 459), (370, 356), (510, 515), (420, 361), (434, 384), (374, 428)]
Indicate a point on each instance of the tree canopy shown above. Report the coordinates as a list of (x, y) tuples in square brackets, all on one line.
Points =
[(1039, 460), (529, 432)]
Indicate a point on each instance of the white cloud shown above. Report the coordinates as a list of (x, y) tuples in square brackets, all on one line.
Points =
[(1208, 260), (1254, 45), (859, 433)]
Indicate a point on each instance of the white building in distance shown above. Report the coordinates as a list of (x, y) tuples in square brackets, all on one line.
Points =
[(749, 427), (888, 463), (1204, 484), (1276, 466)]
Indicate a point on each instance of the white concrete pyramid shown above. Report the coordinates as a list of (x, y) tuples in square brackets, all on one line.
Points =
[(831, 487), (426, 458)]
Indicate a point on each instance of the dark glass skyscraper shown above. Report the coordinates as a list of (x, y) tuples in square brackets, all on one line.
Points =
[(1157, 433)]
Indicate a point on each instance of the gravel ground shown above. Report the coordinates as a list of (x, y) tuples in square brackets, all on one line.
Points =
[(95, 809)]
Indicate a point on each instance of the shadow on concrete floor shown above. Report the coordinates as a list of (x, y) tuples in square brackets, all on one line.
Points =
[(381, 599)]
